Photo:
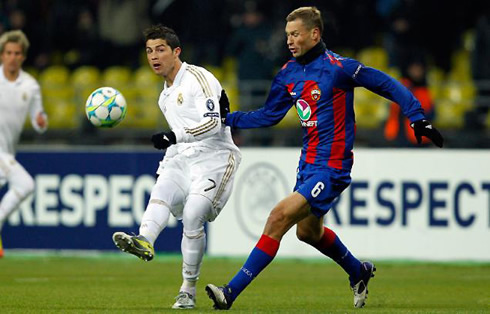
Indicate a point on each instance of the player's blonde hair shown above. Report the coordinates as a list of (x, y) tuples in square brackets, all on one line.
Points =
[(16, 36), (311, 17)]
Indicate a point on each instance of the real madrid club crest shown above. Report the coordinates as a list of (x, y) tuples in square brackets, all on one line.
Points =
[(316, 93), (24, 96), (180, 99)]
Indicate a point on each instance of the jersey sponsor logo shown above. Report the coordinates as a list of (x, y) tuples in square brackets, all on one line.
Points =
[(316, 93), (210, 104), (303, 109), (180, 99), (304, 114), (309, 124)]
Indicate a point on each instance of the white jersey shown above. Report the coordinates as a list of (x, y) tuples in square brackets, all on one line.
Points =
[(191, 108), (17, 98)]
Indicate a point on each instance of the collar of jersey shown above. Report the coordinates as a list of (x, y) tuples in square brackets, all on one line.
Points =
[(18, 80), (178, 78), (312, 54)]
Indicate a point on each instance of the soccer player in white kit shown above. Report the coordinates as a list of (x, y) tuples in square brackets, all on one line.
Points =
[(196, 175), (20, 95)]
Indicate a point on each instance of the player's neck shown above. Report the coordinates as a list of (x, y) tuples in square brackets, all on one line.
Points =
[(173, 74), (313, 53), (11, 75)]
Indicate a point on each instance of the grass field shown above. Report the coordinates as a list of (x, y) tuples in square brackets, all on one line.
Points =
[(115, 283)]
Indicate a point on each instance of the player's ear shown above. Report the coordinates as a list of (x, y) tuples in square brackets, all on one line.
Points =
[(177, 51), (315, 33)]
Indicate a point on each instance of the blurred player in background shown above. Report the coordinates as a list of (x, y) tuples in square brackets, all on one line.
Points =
[(20, 95), (321, 85), (196, 175)]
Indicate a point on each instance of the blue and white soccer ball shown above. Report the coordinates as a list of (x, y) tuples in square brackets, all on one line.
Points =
[(105, 107)]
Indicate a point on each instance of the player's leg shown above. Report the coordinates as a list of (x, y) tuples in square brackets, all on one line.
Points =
[(311, 230), (287, 213), (321, 189), (21, 185), (214, 173), (165, 195), (197, 210)]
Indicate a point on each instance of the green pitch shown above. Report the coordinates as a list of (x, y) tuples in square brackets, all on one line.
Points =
[(116, 283)]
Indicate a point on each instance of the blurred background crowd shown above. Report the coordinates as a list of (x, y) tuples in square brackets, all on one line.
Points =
[(438, 49)]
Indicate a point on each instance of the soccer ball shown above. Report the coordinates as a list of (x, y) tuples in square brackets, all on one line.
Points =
[(105, 107)]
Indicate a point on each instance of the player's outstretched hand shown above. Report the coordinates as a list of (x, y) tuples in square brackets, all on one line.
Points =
[(425, 128), (163, 140), (224, 106)]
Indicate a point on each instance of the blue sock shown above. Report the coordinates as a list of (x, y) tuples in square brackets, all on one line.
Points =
[(261, 256), (331, 246)]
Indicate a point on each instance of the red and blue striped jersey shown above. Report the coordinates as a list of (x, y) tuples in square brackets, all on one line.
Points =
[(323, 93)]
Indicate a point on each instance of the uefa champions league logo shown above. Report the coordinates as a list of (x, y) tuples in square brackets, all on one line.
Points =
[(303, 109), (258, 190)]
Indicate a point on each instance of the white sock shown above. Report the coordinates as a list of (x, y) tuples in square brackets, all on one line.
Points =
[(189, 286), (193, 245), (154, 220)]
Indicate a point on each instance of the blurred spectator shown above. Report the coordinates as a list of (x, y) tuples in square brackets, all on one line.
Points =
[(206, 36), (403, 31), (67, 41), (32, 18), (397, 128), (249, 43), (85, 49), (121, 23)]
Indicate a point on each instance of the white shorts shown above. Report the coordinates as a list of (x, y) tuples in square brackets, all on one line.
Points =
[(206, 172)]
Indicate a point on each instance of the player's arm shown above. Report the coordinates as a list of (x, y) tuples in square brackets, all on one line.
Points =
[(207, 105), (39, 119), (276, 106), (386, 86), (208, 110)]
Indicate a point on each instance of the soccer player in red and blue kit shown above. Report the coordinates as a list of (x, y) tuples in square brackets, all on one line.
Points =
[(321, 85)]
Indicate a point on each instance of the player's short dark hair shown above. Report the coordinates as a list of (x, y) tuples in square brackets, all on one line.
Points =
[(311, 17), (162, 32)]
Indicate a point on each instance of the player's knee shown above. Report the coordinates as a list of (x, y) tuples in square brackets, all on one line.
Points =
[(277, 217), (305, 235), (24, 187), (194, 234)]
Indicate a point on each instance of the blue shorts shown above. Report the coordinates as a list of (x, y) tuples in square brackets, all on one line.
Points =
[(320, 185)]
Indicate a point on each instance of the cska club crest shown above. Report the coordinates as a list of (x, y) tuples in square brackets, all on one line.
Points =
[(316, 93)]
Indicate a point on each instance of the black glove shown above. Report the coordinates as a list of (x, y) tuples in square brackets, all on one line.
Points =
[(163, 140), (425, 128), (224, 106)]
